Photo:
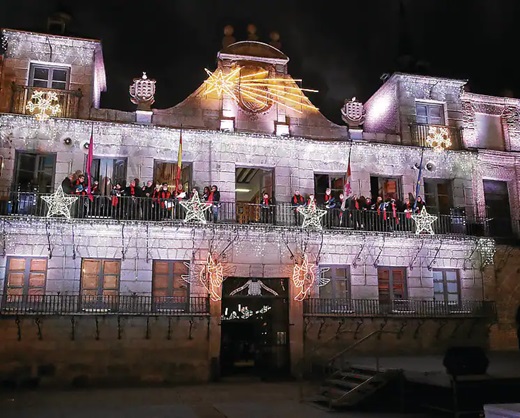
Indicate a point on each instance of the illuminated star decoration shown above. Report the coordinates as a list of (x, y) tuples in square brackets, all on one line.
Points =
[(195, 209), (311, 216), (59, 203), (438, 138), (282, 91), (43, 104), (423, 222)]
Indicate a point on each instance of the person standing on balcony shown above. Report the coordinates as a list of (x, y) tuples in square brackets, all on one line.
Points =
[(354, 212), (214, 199), (408, 210), (68, 184), (330, 203), (147, 192), (162, 200), (80, 190), (297, 201), (265, 208), (133, 193), (419, 204)]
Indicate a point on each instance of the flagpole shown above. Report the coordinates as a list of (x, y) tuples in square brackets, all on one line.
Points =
[(179, 164), (90, 157), (418, 184)]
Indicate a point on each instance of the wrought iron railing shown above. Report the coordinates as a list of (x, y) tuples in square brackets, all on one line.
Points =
[(397, 308), (67, 99), (58, 304), (283, 214), (420, 134)]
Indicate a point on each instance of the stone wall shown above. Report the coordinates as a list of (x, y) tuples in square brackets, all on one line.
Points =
[(119, 351), (503, 285)]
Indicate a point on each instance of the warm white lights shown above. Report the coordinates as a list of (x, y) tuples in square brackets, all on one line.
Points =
[(44, 104), (438, 138), (424, 221), (59, 203)]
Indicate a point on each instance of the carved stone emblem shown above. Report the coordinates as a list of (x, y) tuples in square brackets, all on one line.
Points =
[(142, 92), (353, 113)]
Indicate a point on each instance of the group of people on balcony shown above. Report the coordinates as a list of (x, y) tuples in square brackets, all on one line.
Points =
[(360, 212), (151, 201)]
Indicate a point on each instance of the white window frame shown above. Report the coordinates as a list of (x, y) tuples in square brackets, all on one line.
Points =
[(444, 282), (428, 102), (49, 66), (323, 270)]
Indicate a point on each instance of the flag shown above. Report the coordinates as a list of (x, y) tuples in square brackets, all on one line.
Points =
[(90, 157), (178, 186), (418, 184), (347, 189)]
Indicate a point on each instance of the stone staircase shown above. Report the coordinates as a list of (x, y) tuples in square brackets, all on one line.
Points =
[(350, 386)]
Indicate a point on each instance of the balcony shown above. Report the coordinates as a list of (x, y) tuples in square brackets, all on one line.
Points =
[(420, 133), (369, 308), (127, 208), (57, 304), (68, 100)]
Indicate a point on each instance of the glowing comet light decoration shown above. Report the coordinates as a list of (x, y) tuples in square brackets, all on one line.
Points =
[(256, 87), (44, 104), (438, 138)]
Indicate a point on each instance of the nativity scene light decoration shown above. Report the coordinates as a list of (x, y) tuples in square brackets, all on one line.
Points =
[(305, 276), (255, 90)]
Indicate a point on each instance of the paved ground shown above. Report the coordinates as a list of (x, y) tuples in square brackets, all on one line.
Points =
[(231, 400)]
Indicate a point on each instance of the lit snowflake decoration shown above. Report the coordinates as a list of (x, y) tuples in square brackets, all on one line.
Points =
[(195, 209), (438, 138), (423, 222), (44, 104), (59, 203), (487, 249), (311, 216)]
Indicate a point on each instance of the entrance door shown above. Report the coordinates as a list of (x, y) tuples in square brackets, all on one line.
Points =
[(255, 327), (496, 197)]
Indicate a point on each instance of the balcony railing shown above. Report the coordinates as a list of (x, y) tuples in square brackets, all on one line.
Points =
[(87, 304), (68, 100), (420, 133), (283, 214), (398, 308)]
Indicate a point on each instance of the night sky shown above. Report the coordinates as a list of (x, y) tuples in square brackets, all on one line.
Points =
[(339, 50)]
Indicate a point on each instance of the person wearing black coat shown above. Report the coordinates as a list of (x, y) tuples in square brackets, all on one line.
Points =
[(68, 184)]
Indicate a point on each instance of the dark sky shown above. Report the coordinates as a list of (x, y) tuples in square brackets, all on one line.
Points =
[(339, 50)]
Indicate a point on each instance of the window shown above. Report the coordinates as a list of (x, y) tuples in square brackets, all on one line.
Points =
[(392, 284), (430, 113), (100, 283), (437, 195), (338, 286), (167, 172), (322, 182), (25, 279), (169, 289), (446, 287), (386, 187), (34, 172), (47, 76), (109, 172), (498, 211)]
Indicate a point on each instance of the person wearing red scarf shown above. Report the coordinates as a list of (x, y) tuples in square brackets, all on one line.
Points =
[(132, 206), (265, 209), (297, 201)]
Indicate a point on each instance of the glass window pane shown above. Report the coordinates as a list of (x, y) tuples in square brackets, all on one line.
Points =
[(437, 275), (451, 275), (59, 85), (452, 297), (438, 287), (41, 73), (421, 110), (452, 287), (40, 83), (59, 75), (435, 111)]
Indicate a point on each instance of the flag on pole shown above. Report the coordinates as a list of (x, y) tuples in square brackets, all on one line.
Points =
[(347, 189), (178, 185), (90, 157), (418, 184)]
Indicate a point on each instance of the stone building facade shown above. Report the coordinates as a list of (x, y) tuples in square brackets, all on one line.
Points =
[(123, 295)]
